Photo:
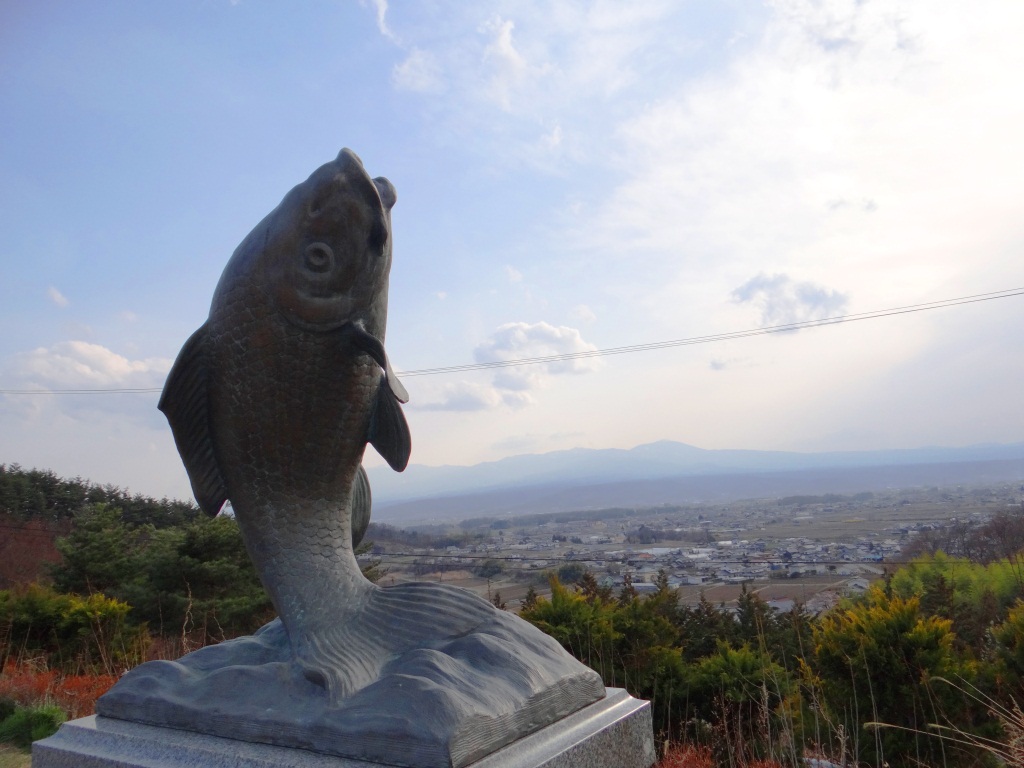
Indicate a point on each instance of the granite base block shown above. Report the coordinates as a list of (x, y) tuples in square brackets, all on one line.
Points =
[(614, 732)]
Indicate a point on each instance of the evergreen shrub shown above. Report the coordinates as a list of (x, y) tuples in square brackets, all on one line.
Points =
[(28, 724)]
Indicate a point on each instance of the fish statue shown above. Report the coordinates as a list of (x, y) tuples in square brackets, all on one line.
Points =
[(272, 402), (274, 399)]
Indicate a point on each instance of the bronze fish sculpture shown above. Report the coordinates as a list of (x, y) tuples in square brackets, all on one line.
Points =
[(273, 400), (272, 403)]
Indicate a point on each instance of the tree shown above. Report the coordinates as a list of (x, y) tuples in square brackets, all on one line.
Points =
[(972, 595), (628, 592), (489, 569), (530, 600), (583, 628), (755, 620), (372, 571), (193, 581), (642, 631), (198, 580), (592, 591), (742, 691), (97, 553), (42, 494), (1008, 638), (702, 628), (876, 659), (571, 573)]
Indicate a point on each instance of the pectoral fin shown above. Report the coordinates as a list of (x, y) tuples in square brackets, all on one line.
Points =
[(372, 346), (184, 402), (389, 431)]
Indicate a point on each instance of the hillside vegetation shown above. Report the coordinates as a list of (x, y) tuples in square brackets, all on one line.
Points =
[(924, 669)]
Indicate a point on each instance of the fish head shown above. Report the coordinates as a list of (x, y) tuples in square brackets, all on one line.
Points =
[(323, 256)]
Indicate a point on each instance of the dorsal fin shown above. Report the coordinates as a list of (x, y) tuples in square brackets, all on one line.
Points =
[(184, 402), (389, 431)]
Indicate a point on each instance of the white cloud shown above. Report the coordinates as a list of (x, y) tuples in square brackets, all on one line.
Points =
[(584, 314), (523, 86), (419, 72), (380, 8), (123, 441), (862, 145), (720, 363), (553, 140), (513, 274), (57, 297), (854, 155), (507, 65), (519, 341), (99, 435), (513, 386), (501, 47), (782, 300), (71, 364), (473, 396)]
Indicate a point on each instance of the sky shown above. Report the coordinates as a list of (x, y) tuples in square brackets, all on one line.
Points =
[(571, 176)]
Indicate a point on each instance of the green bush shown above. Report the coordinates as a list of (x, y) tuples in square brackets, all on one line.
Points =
[(28, 724), (72, 631), (7, 707)]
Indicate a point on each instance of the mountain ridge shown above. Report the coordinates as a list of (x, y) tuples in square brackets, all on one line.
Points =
[(661, 460)]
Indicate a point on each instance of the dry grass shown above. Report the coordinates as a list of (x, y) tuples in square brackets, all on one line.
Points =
[(686, 756), (12, 757), (29, 685), (692, 756), (1009, 750)]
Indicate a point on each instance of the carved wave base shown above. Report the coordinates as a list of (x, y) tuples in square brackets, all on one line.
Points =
[(614, 732), (444, 704)]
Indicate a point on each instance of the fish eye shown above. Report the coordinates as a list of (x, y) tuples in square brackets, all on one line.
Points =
[(319, 258)]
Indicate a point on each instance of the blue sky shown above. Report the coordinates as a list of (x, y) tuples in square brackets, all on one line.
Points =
[(570, 176)]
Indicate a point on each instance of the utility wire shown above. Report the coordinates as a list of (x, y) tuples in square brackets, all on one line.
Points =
[(118, 391), (513, 562), (578, 558), (723, 336), (911, 308)]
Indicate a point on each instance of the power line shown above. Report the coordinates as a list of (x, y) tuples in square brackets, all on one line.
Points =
[(575, 558), (596, 556), (892, 311), (118, 391), (724, 336)]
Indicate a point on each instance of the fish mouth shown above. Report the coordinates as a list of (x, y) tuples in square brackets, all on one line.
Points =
[(348, 156), (384, 188), (350, 168)]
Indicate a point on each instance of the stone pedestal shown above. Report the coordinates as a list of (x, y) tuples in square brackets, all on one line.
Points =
[(614, 732)]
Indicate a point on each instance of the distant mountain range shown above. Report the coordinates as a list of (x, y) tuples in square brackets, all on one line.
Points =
[(668, 472)]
